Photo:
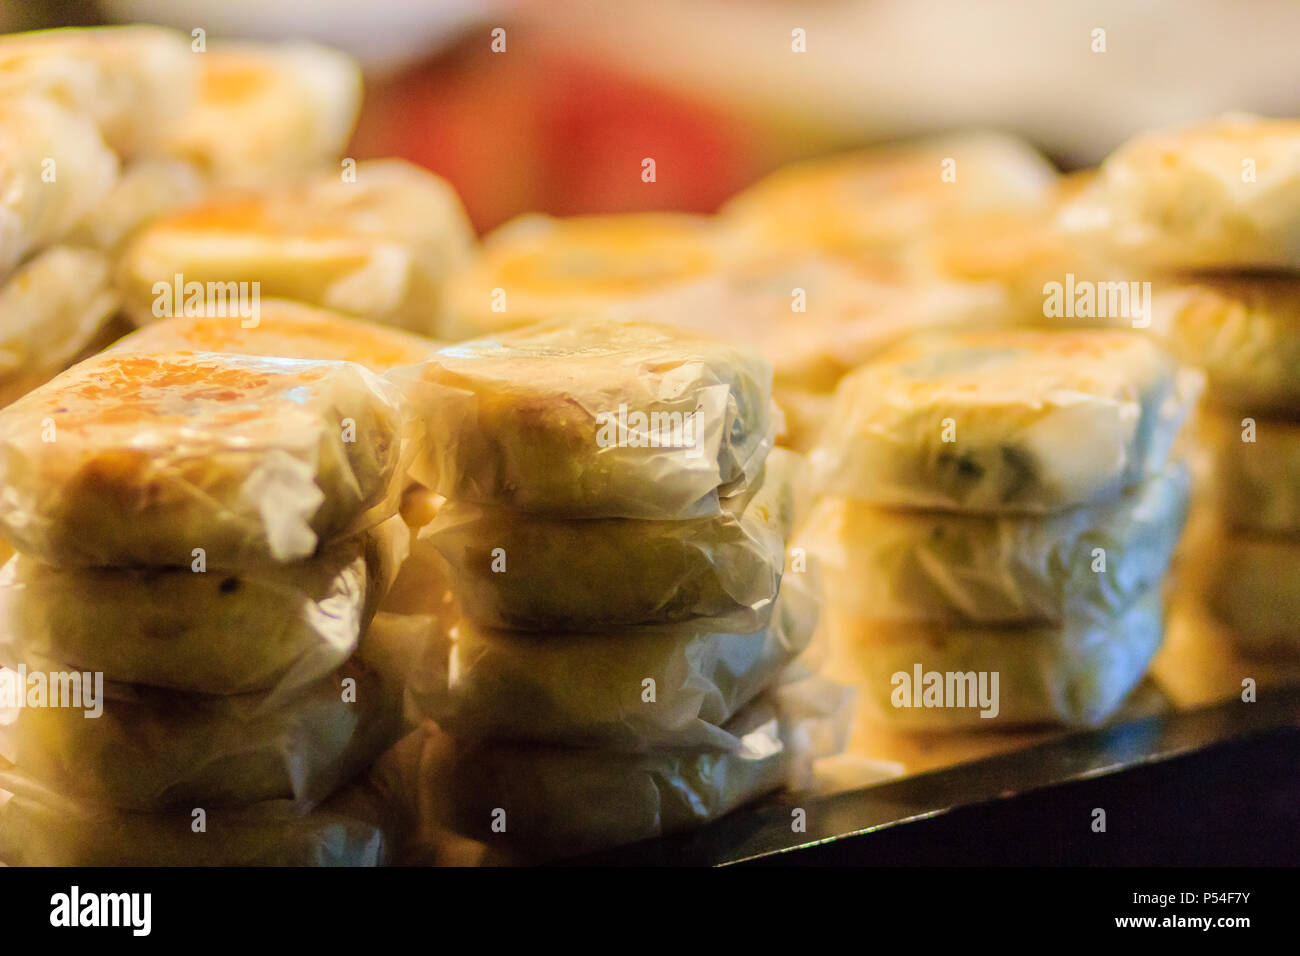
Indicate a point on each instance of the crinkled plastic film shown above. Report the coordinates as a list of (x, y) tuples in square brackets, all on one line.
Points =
[(221, 632), (637, 689), (1075, 673), (284, 329), (54, 306), (561, 802), (148, 188), (379, 247), (544, 419), (1020, 421), (136, 82), (933, 566), (153, 749), (40, 828), (130, 460), (36, 211), (528, 572)]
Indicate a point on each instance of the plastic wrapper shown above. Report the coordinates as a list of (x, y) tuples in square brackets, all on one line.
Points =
[(220, 632), (536, 267), (151, 749), (934, 566), (1004, 421), (878, 201), (378, 245), (294, 106), (285, 329), (557, 802), (592, 420), (1177, 198), (813, 317), (129, 460), (1255, 483), (135, 82), (528, 572), (40, 828), (147, 189), (639, 689), (54, 306), (54, 169), (1020, 249), (1243, 331), (1076, 672)]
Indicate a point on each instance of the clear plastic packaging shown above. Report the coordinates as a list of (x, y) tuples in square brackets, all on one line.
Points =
[(294, 104), (219, 632), (147, 189), (1176, 199), (528, 572), (632, 689), (537, 267), (54, 169), (1077, 672), (935, 566), (54, 305), (288, 330), (136, 82), (592, 420), (131, 460), (878, 201), (558, 802), (1004, 421), (153, 749), (377, 245), (1244, 331), (40, 828)]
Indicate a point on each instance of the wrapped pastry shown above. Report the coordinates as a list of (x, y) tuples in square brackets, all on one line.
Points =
[(147, 189), (54, 169), (378, 245), (1215, 194), (937, 566), (555, 801), (1076, 672), (813, 317), (150, 749), (173, 458), (1017, 421), (877, 202), (285, 329), (40, 828), (1243, 331), (219, 632), (537, 268), (530, 572), (293, 106), (136, 82), (594, 419), (1256, 482), (624, 689), (54, 306)]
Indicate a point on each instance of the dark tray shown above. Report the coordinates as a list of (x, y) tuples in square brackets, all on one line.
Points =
[(1219, 785)]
